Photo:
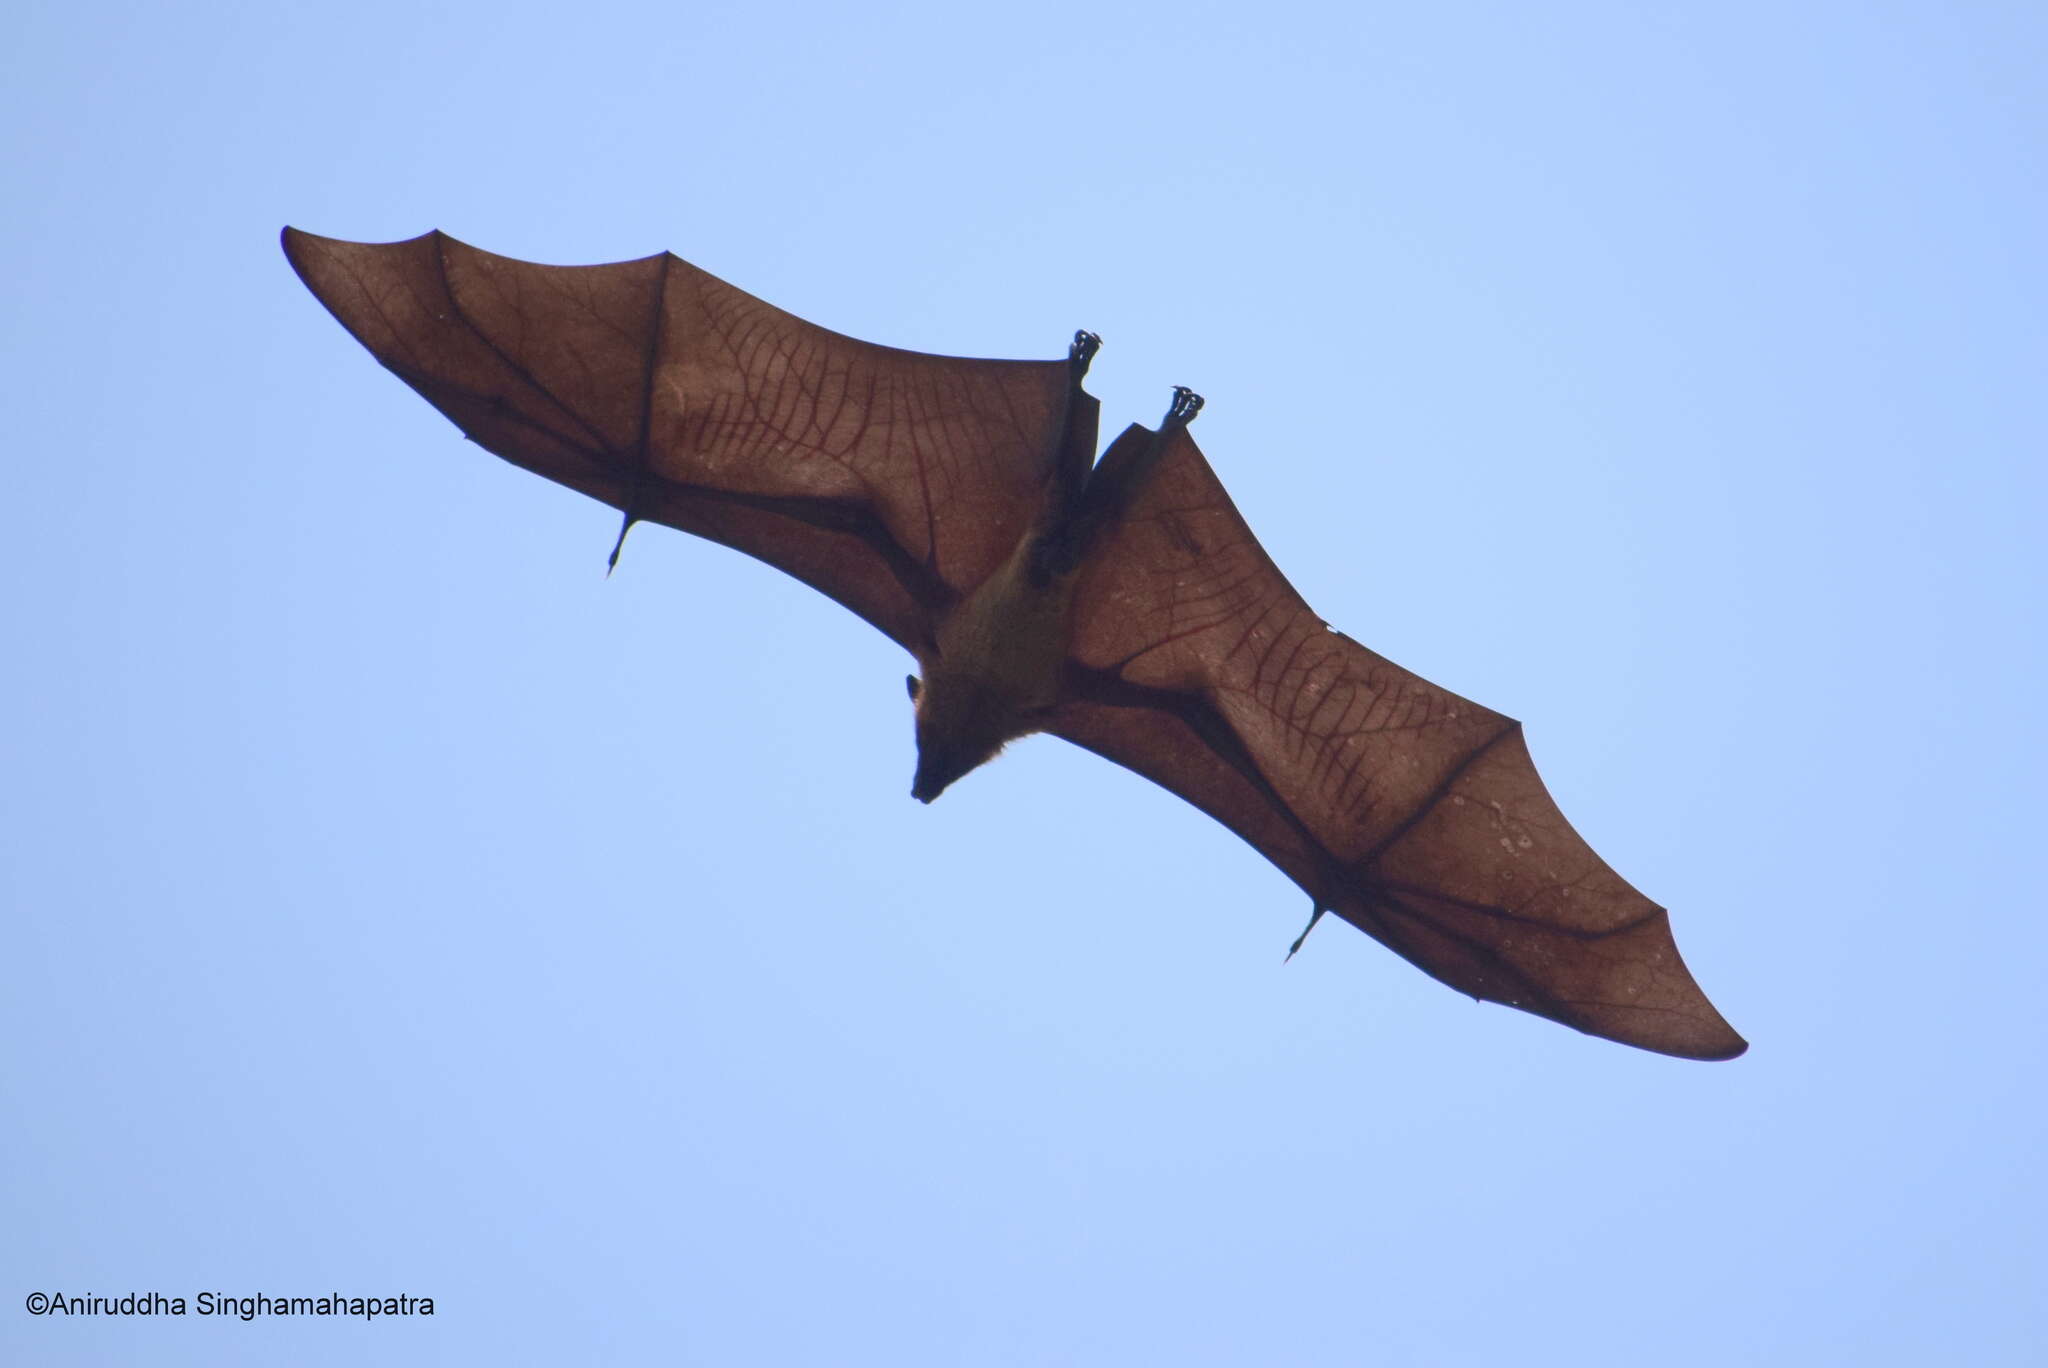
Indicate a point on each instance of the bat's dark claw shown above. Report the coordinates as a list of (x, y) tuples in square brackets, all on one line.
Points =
[(1186, 404), (612, 562), (1086, 344), (1313, 918)]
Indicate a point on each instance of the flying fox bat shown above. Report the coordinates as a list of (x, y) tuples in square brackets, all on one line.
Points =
[(1122, 604)]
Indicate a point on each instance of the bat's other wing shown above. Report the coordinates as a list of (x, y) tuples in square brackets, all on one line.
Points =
[(1408, 811), (893, 481)]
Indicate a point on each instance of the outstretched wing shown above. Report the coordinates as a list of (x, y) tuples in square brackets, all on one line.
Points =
[(1413, 814), (893, 481)]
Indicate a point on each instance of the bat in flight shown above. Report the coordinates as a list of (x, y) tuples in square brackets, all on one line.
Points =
[(1119, 603)]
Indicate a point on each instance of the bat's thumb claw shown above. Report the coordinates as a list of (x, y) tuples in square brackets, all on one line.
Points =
[(1313, 918), (612, 561)]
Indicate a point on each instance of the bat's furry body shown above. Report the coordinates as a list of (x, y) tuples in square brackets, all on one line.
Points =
[(998, 666), (995, 671)]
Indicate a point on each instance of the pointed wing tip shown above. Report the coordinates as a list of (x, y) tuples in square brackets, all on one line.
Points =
[(1729, 1045), (297, 242), (300, 246), (1709, 1040), (1726, 1045)]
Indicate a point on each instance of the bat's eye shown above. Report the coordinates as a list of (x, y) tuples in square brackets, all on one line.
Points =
[(910, 682)]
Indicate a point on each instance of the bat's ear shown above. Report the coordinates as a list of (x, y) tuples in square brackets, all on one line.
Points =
[(910, 682)]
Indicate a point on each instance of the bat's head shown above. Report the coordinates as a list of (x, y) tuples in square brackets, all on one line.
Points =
[(960, 726)]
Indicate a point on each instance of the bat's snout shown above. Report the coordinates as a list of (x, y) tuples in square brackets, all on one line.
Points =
[(930, 781), (943, 759)]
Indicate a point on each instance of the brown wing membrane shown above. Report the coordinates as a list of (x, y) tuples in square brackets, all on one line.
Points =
[(893, 481), (1413, 814)]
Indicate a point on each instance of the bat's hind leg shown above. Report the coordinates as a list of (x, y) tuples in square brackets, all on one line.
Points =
[(1077, 436), (1107, 489), (1130, 460)]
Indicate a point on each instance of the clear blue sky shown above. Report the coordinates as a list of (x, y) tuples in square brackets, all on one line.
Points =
[(394, 905)]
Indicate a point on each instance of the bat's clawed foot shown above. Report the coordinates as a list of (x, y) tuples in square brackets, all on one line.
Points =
[(1186, 404), (1086, 344)]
